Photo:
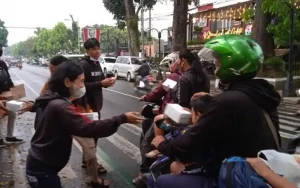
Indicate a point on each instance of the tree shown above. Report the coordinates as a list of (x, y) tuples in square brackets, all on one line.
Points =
[(127, 11), (260, 33), (3, 34), (180, 20), (281, 26), (25, 48)]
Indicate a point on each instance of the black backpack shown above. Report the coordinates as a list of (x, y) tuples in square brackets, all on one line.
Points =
[(5, 81)]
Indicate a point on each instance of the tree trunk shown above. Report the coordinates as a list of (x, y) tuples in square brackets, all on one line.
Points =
[(132, 28), (260, 33), (179, 24)]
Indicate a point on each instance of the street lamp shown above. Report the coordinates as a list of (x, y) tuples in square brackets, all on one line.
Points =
[(78, 34), (159, 37)]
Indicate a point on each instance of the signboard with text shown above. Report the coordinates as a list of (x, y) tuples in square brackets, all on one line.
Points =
[(91, 32)]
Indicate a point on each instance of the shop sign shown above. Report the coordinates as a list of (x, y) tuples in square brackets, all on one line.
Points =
[(248, 30), (237, 31)]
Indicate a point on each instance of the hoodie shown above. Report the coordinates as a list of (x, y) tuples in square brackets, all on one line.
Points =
[(233, 126), (55, 123), (93, 76)]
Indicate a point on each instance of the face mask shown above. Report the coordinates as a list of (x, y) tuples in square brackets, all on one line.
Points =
[(93, 59), (78, 92)]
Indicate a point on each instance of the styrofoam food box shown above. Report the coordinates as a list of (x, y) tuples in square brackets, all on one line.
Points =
[(178, 114), (92, 116), (169, 84), (15, 106)]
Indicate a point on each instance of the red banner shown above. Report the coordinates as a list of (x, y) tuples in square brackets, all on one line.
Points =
[(91, 32)]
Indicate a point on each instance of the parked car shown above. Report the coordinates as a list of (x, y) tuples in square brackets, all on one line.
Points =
[(74, 57), (107, 64), (125, 66)]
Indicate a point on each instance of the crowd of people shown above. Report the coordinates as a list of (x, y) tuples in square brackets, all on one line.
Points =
[(233, 123)]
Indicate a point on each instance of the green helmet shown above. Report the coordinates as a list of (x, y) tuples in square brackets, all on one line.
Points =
[(239, 55)]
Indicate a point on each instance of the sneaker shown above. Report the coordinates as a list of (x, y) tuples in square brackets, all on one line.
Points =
[(2, 144), (14, 140)]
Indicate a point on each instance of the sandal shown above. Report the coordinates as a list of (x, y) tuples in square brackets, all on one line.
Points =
[(100, 184), (100, 168)]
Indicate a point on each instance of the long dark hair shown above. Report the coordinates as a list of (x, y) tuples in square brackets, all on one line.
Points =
[(68, 69), (196, 67)]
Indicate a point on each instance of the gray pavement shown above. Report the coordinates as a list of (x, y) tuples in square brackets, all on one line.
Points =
[(119, 153)]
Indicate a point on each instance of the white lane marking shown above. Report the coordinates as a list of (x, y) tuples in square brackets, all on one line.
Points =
[(99, 159), (132, 128), (27, 85), (126, 147), (67, 171), (125, 94)]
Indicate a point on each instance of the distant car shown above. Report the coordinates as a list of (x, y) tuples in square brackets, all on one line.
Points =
[(74, 57), (125, 66), (13, 63), (107, 64)]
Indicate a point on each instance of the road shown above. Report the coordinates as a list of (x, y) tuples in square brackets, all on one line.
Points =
[(120, 152)]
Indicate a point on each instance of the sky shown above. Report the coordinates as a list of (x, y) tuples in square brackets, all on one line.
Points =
[(46, 13)]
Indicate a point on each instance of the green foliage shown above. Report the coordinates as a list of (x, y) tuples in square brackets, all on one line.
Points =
[(276, 63), (273, 67), (3, 34), (248, 14), (281, 30)]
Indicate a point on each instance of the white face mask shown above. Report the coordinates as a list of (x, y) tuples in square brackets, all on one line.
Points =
[(78, 92), (93, 59)]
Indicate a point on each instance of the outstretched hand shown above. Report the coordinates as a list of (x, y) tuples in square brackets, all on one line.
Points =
[(134, 118)]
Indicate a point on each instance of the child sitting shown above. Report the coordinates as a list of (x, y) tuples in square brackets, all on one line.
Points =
[(199, 106)]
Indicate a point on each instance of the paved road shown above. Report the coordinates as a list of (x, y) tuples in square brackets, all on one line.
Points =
[(119, 153)]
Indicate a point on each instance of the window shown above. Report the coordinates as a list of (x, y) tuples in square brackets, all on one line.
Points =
[(110, 60), (220, 25), (136, 61), (123, 60), (213, 26)]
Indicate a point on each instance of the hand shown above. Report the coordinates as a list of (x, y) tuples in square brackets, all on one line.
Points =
[(142, 98), (2, 105), (157, 140), (133, 118), (107, 82), (200, 94), (259, 166), (27, 108)]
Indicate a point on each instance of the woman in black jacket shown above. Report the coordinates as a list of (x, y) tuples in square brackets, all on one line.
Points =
[(193, 80)]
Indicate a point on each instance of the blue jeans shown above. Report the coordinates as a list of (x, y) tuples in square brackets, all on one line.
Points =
[(182, 181), (43, 180)]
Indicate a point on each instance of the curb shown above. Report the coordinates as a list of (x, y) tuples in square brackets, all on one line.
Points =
[(293, 100)]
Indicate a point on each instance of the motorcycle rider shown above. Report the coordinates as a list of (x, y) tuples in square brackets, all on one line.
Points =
[(141, 73), (235, 124), (20, 63)]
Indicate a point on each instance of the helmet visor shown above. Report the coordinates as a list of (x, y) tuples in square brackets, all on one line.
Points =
[(207, 54)]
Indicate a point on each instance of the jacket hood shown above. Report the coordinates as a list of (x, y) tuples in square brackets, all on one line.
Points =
[(260, 91), (45, 98)]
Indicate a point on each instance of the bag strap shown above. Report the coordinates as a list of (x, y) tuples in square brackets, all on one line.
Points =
[(272, 128)]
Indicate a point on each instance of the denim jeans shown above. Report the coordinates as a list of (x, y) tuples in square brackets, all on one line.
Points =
[(189, 181), (43, 180)]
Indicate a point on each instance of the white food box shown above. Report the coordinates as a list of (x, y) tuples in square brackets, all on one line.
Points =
[(178, 114), (15, 106), (169, 84), (94, 116)]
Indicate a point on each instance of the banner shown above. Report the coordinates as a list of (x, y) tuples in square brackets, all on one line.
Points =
[(91, 32)]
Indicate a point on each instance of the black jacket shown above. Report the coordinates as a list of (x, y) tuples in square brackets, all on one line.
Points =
[(55, 123), (93, 76), (5, 79), (233, 126), (189, 84), (143, 70)]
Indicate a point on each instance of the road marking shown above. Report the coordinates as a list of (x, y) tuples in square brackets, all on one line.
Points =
[(125, 94), (126, 147), (132, 128), (27, 85)]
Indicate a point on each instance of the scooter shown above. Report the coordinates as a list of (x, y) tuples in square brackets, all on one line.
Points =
[(20, 67), (144, 84)]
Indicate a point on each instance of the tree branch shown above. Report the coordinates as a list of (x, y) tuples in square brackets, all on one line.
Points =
[(138, 10)]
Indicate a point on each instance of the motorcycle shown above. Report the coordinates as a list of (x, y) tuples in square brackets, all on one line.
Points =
[(20, 67), (144, 84)]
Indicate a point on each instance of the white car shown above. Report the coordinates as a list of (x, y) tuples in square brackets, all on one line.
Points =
[(74, 57), (125, 66), (107, 64)]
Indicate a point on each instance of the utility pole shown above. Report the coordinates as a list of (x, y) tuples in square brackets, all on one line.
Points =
[(142, 23), (150, 39)]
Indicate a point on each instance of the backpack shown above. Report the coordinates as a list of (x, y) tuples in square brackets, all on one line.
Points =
[(237, 173), (5, 81)]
